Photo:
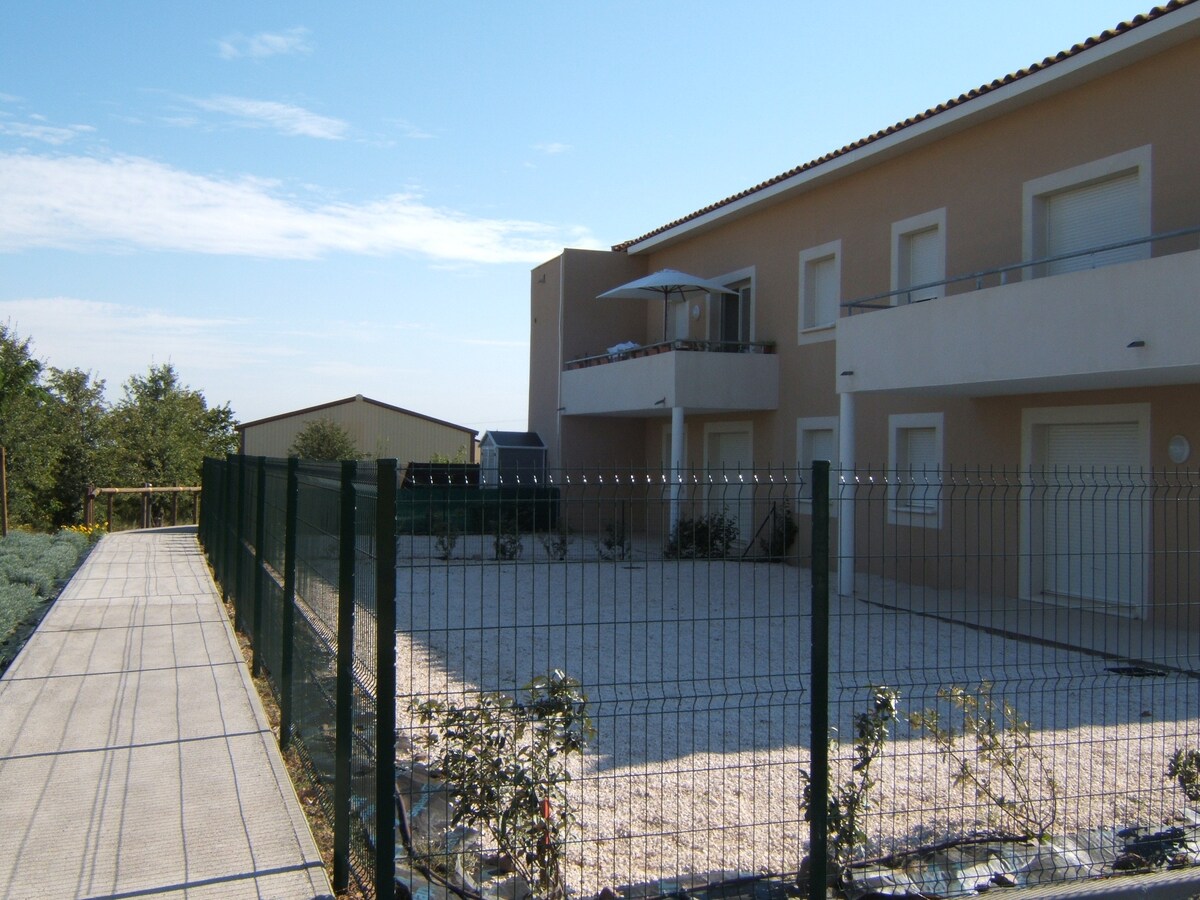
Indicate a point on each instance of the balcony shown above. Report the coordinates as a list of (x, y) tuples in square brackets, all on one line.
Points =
[(698, 376), (1128, 324)]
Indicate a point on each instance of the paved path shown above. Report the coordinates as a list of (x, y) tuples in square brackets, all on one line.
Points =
[(135, 758)]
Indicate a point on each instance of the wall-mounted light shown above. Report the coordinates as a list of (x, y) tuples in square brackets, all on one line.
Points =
[(695, 311), (1179, 449), (1133, 344), (662, 402), (848, 372)]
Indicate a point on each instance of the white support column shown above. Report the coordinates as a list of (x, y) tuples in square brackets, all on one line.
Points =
[(845, 495), (676, 462)]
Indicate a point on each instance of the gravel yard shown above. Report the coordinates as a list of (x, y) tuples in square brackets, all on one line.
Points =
[(698, 678)]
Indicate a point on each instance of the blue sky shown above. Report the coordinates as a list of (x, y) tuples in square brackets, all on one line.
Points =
[(294, 203)]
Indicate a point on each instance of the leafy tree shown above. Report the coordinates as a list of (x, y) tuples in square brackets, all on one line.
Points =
[(83, 452), (22, 402), (324, 439), (163, 430), (458, 458)]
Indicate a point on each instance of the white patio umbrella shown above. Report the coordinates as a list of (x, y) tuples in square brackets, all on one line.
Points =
[(667, 285)]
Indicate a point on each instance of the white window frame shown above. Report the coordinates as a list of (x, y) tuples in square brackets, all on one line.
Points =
[(818, 331), (906, 228), (1035, 192), (731, 280), (929, 514), (805, 425)]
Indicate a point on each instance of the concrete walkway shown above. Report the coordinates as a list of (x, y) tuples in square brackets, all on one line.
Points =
[(135, 758)]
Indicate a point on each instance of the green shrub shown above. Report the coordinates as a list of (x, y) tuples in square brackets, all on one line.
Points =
[(849, 800), (504, 765), (613, 545), (1184, 767), (777, 543), (711, 536), (557, 543), (32, 567), (18, 603), (508, 541)]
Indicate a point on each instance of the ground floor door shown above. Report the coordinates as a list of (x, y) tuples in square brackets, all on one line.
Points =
[(729, 464), (1087, 514)]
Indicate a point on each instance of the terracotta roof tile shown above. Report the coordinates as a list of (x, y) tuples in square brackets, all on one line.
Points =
[(973, 94)]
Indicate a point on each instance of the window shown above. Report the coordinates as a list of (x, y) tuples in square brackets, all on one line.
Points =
[(1093, 205), (915, 460), (919, 256), (731, 316), (729, 320), (816, 438), (820, 286)]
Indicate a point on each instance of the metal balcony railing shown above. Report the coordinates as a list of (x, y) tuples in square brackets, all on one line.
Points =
[(601, 359), (1032, 268)]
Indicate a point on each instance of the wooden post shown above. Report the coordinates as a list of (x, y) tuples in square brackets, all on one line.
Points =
[(108, 523), (175, 509)]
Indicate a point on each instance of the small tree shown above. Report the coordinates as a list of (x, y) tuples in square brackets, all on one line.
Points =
[(993, 752), (324, 439)]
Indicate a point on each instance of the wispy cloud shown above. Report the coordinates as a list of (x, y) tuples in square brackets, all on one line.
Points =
[(265, 44), (131, 202), (552, 149), (46, 134), (114, 340), (283, 117), (409, 130)]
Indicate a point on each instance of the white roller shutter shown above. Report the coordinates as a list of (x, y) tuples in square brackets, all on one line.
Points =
[(923, 262), (1105, 212), (1093, 527), (730, 467), (823, 292)]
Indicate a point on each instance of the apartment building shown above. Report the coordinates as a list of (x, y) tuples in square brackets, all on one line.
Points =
[(1010, 280)]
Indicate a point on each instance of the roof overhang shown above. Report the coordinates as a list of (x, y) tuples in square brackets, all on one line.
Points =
[(1072, 68)]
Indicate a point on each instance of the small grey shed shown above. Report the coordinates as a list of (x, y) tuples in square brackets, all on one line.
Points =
[(511, 457)]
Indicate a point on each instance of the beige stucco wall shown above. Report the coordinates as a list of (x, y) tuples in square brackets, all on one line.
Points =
[(568, 324), (378, 431)]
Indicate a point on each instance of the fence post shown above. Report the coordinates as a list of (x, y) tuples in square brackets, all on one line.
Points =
[(260, 539), (818, 804), (345, 687), (288, 618), (385, 680), (228, 508), (239, 546)]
